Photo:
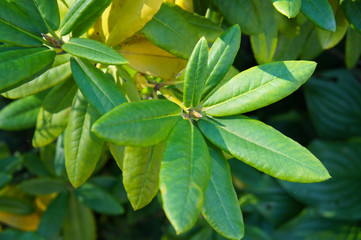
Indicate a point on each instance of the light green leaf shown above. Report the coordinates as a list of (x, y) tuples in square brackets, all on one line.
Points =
[(244, 13), (94, 51), (141, 173), (221, 57), (20, 66), (49, 12), (184, 175), (289, 8), (195, 74), (43, 186), (79, 223), (20, 114), (53, 116), (258, 87), (98, 88), (352, 11), (59, 72), (320, 13), (169, 30), (15, 205), (138, 124), (53, 217), (82, 148), (117, 153), (98, 199), (226, 218), (353, 48), (264, 43), (264, 148)]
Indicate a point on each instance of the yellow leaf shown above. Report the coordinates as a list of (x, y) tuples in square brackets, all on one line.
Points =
[(21, 222), (185, 4), (147, 58), (96, 31), (123, 18)]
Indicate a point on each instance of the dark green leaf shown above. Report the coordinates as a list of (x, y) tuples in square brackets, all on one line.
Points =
[(49, 12), (10, 234), (35, 165), (226, 218), (258, 87), (15, 205), (10, 164), (353, 48), (184, 175), (98, 199), (353, 13), (320, 13), (20, 66), (82, 148), (195, 74), (312, 48), (289, 8), (264, 148), (94, 51), (43, 186), (138, 124), (4, 179), (99, 90)]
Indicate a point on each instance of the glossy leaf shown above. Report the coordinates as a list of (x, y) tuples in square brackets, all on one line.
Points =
[(15, 205), (320, 13), (333, 118), (43, 186), (258, 87), (138, 124), (98, 89), (264, 148), (53, 116), (244, 13), (226, 218), (98, 199), (20, 66), (221, 57), (82, 15), (289, 8), (353, 13), (59, 72), (141, 168), (53, 218), (49, 12), (177, 35), (353, 48), (20, 114), (82, 148), (94, 51), (195, 74), (184, 175)]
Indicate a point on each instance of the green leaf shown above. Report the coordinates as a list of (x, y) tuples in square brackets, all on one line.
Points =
[(10, 164), (221, 57), (169, 30), (82, 148), (343, 163), (195, 74), (221, 208), (15, 205), (49, 12), (244, 13), (82, 15), (258, 87), (20, 66), (98, 199), (320, 13), (79, 223), (264, 148), (118, 154), (43, 186), (184, 175), (141, 168), (99, 90), (289, 8), (332, 118), (4, 179), (138, 124), (59, 72), (53, 116), (11, 234), (352, 11), (312, 48), (53, 217), (35, 165), (353, 48), (20, 114), (94, 51)]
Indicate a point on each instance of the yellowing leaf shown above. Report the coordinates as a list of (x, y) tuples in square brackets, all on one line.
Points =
[(43, 201), (147, 58), (21, 222), (96, 31), (185, 4), (123, 18)]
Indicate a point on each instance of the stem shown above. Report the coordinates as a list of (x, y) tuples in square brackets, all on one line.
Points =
[(169, 95)]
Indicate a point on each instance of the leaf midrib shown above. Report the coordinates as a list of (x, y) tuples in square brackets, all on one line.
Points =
[(140, 120)]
